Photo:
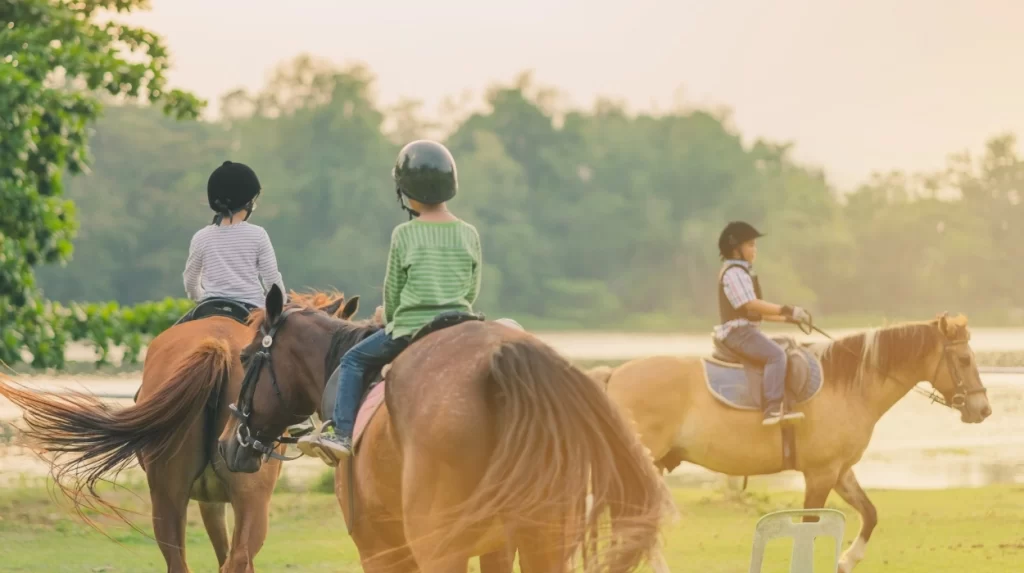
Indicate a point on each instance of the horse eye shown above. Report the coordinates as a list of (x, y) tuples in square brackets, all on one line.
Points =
[(965, 360)]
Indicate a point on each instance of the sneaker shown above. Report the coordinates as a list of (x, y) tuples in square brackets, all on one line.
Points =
[(772, 416), (299, 430), (330, 447), (778, 415), (792, 416)]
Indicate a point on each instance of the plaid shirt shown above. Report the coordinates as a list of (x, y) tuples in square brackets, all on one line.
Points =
[(739, 289)]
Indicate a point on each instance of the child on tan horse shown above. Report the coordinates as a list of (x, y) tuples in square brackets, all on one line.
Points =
[(230, 257), (434, 267), (742, 309)]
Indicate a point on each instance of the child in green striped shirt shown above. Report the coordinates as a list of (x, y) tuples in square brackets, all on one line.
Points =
[(433, 267)]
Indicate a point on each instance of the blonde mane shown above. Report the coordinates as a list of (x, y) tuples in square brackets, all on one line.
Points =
[(849, 360)]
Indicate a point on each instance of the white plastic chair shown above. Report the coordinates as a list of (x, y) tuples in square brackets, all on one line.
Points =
[(781, 524)]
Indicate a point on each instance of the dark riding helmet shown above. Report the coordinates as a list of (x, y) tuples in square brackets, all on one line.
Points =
[(425, 171), (735, 234), (231, 188)]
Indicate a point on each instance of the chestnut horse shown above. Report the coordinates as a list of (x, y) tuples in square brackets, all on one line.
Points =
[(487, 440), (190, 373), (864, 375)]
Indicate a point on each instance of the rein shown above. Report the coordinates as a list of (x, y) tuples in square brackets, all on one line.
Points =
[(243, 408), (961, 391)]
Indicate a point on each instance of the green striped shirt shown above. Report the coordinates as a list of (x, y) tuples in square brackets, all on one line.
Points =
[(432, 268)]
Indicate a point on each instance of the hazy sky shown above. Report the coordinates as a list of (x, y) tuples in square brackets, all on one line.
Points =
[(858, 85)]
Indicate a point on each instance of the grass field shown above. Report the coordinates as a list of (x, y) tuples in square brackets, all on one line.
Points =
[(977, 531)]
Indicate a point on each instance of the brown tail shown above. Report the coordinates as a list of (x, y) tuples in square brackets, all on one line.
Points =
[(558, 434), (90, 440)]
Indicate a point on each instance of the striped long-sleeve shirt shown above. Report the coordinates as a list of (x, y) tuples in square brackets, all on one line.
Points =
[(739, 289), (432, 268), (229, 261)]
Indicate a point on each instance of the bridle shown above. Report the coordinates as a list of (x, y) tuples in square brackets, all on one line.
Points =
[(960, 391), (242, 410)]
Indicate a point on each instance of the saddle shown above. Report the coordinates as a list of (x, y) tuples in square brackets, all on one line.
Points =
[(233, 309), (737, 383), (373, 392)]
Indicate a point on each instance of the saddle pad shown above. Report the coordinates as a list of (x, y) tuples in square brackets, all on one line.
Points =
[(740, 387), (371, 403)]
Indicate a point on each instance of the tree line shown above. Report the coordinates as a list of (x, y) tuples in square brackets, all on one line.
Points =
[(589, 218)]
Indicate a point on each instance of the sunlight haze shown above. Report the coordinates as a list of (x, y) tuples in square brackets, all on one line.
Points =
[(858, 86)]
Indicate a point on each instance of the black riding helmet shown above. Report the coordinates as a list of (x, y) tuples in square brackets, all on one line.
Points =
[(232, 187), (735, 234), (425, 171)]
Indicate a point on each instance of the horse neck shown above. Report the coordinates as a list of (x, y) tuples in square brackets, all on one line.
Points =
[(339, 337), (889, 384)]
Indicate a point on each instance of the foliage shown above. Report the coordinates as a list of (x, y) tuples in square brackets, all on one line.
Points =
[(590, 218), (56, 59), (103, 326)]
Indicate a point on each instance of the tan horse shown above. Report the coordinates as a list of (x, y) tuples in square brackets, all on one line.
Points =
[(864, 375), (487, 441), (190, 374)]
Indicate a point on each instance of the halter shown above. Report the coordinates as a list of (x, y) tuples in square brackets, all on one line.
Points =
[(243, 410), (960, 390)]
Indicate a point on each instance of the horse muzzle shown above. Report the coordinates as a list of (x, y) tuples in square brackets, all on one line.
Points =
[(976, 409), (239, 458)]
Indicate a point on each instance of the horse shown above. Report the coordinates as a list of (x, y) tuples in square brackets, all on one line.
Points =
[(864, 375), (172, 430), (487, 442)]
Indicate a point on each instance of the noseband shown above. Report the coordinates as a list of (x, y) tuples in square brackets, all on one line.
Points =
[(243, 408), (960, 390)]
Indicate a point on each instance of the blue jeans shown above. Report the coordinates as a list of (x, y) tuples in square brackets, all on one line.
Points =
[(749, 342), (376, 350)]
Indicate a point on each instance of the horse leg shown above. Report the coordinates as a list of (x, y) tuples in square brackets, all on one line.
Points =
[(430, 488), (539, 552), (818, 485), (849, 489), (216, 529), (376, 555), (498, 561), (251, 505), (170, 507)]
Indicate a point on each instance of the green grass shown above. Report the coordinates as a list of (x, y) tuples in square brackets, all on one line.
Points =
[(977, 530)]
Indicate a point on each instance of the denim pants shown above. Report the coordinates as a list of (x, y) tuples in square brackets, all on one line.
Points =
[(749, 342), (375, 351)]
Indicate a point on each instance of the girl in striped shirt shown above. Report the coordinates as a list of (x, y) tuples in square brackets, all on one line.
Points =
[(433, 267), (232, 258)]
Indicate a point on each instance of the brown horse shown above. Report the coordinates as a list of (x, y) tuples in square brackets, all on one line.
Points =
[(487, 440), (189, 374), (864, 375)]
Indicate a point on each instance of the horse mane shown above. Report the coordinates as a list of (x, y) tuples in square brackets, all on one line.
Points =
[(345, 333), (308, 301), (846, 360)]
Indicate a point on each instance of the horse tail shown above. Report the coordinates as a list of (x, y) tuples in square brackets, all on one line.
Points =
[(90, 440), (558, 435)]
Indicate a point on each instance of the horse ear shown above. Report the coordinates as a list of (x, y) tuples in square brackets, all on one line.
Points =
[(275, 303), (332, 308), (351, 307), (944, 324)]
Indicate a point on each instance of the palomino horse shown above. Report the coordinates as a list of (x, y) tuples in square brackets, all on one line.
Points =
[(864, 375), (190, 373), (487, 440)]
